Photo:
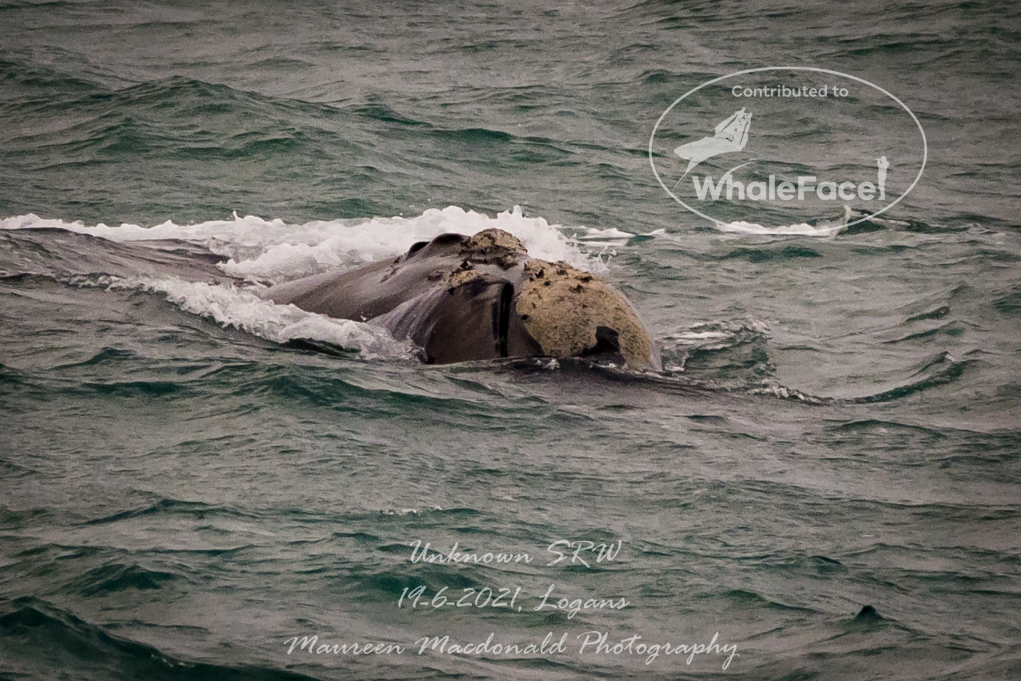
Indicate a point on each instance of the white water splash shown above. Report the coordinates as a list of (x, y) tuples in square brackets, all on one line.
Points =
[(823, 229), (274, 251), (242, 309)]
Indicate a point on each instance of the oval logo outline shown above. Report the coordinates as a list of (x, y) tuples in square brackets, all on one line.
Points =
[(925, 143)]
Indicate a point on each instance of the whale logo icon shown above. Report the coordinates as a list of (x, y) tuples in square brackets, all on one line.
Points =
[(730, 135)]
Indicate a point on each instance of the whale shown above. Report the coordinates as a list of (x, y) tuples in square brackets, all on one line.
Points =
[(464, 298)]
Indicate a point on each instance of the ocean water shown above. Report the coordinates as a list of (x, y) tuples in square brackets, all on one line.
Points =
[(822, 483)]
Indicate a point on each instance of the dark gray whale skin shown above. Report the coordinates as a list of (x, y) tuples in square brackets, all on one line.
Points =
[(465, 298)]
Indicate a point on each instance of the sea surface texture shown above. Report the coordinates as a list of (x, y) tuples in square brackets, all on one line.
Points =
[(822, 483)]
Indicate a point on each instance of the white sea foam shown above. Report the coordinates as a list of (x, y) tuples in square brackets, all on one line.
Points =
[(242, 309), (800, 229), (611, 236), (272, 250), (823, 229)]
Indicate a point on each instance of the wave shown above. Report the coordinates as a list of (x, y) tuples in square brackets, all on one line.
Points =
[(274, 251), (39, 638), (116, 577), (230, 306), (822, 229), (254, 251), (937, 371), (166, 506), (270, 251)]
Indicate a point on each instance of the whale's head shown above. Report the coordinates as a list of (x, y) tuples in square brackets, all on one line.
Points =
[(462, 298), (571, 313)]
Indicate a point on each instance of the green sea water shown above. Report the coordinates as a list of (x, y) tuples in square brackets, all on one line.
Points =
[(189, 479)]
